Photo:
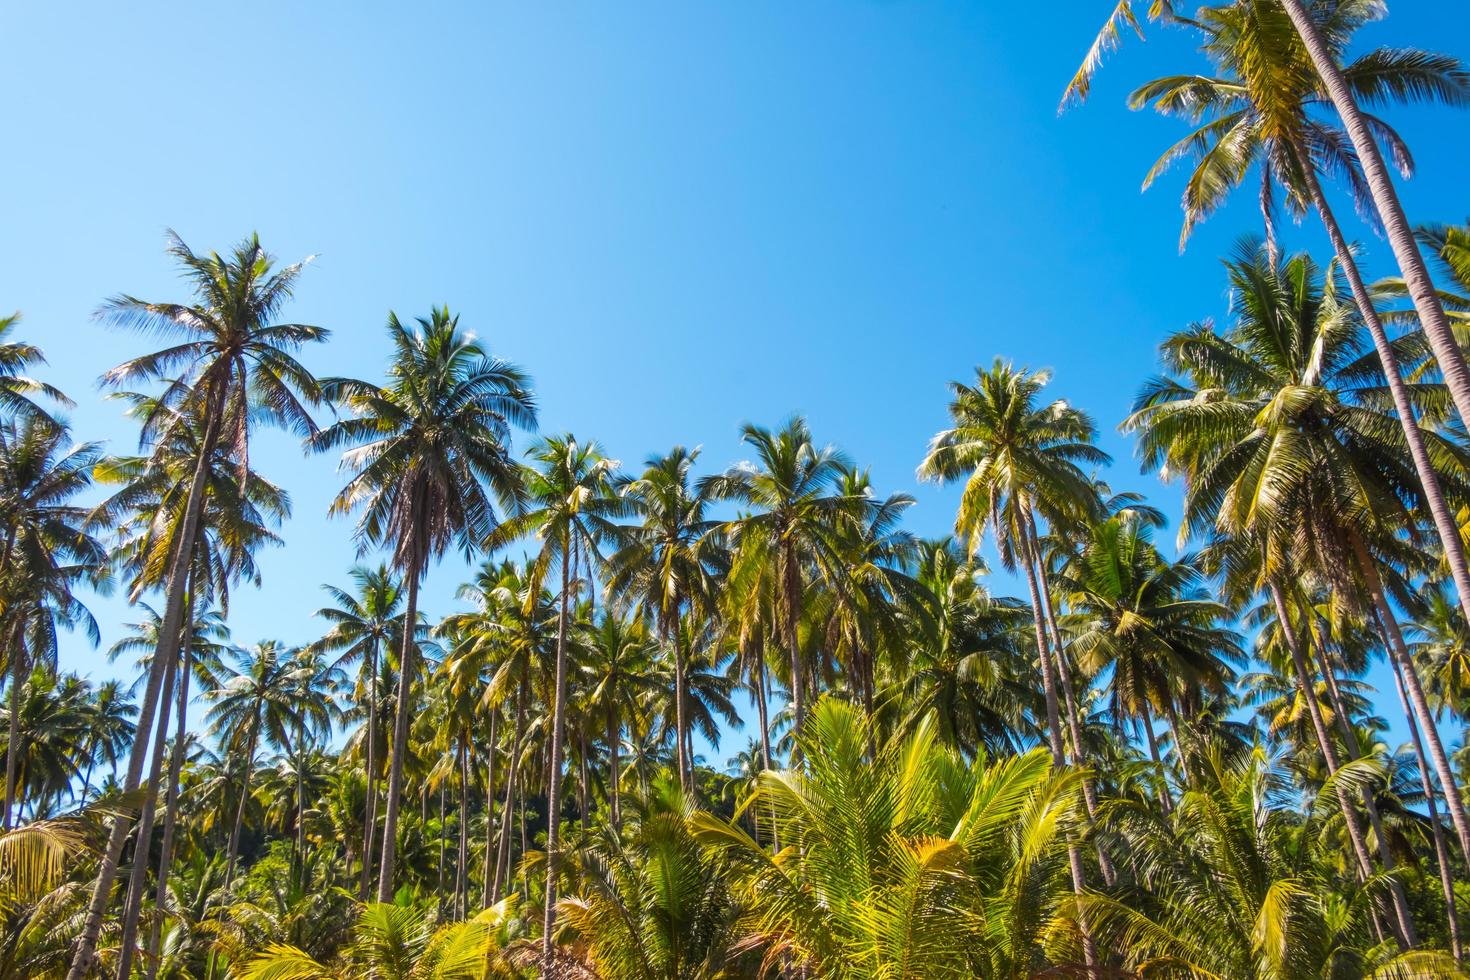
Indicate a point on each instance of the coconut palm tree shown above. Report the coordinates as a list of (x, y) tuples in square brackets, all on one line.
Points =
[(109, 730), (1295, 458), (621, 680), (47, 552), (1263, 109), (363, 624), (664, 563), (790, 538), (571, 506), (430, 457), (233, 367), (17, 389)]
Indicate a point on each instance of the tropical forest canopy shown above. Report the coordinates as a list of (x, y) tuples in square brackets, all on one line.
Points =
[(1164, 757)]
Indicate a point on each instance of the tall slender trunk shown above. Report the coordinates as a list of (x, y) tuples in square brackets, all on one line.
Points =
[(233, 850), (18, 661), (138, 877), (1390, 210), (1306, 688), (171, 801), (1370, 806), (558, 719), (614, 765), (402, 712), (583, 777), (370, 804), (461, 877), (1054, 733), (1444, 521), (1074, 723), (502, 862), (443, 845), (791, 575), (168, 639), (1400, 652), (1145, 719), (487, 880), (1441, 850)]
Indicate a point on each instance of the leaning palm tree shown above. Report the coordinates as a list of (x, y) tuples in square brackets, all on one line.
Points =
[(430, 457), (1291, 465), (362, 626), (571, 504), (233, 367), (1263, 110)]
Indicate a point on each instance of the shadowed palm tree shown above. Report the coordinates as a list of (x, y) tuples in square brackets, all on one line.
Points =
[(430, 458)]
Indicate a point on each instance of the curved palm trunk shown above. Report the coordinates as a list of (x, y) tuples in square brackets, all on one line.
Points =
[(170, 808), (1441, 850), (1054, 735), (1444, 521), (138, 877), (1390, 210), (614, 764), (168, 639), (407, 664), (1399, 652), (553, 787), (1324, 743), (370, 814)]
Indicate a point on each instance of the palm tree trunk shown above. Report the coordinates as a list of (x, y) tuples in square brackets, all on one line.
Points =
[(1145, 719), (1385, 199), (792, 589), (1398, 651), (1370, 806), (402, 712), (583, 776), (138, 878), (558, 719), (461, 875), (233, 851), (1054, 735), (1074, 724), (1444, 521), (502, 863), (171, 802), (614, 749), (168, 639), (488, 879), (680, 682), (1305, 686), (370, 805), (1441, 850), (12, 748)]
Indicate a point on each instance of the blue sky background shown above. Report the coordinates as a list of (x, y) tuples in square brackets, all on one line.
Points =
[(676, 216)]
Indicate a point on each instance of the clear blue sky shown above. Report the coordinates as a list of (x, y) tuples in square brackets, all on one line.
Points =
[(676, 216)]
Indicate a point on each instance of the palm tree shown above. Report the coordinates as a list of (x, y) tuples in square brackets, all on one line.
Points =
[(571, 502), (1147, 620), (1292, 457), (664, 563), (792, 535), (109, 730), (16, 388), (47, 552), (256, 702), (1019, 460), (621, 680), (362, 625), (1262, 109), (431, 456), (232, 367)]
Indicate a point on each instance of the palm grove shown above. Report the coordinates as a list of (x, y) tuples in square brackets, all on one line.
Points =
[(1150, 764)]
